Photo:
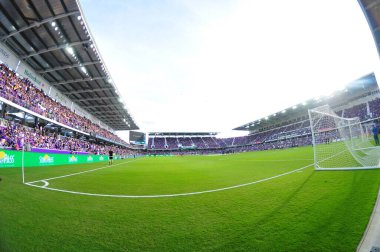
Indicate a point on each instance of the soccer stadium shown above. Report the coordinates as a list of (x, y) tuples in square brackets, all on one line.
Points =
[(81, 171)]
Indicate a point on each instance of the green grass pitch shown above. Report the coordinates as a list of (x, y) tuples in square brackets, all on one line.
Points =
[(301, 211)]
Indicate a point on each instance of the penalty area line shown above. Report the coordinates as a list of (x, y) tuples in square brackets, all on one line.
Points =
[(77, 173), (172, 195)]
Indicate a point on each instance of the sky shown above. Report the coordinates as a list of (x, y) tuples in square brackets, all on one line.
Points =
[(207, 65)]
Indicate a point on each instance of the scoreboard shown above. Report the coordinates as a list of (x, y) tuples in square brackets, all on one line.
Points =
[(136, 137)]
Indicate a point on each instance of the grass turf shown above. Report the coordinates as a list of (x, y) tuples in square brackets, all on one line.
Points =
[(302, 211)]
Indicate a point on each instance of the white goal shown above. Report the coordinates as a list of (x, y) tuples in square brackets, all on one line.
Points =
[(341, 143)]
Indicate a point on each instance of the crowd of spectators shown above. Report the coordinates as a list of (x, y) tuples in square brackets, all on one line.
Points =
[(279, 144), (359, 110), (276, 137), (374, 107), (199, 142), (22, 92), (16, 136)]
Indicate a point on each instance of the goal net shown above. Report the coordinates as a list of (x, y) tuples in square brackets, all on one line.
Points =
[(341, 143)]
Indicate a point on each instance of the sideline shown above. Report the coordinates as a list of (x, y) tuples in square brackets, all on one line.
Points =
[(166, 195), (371, 236)]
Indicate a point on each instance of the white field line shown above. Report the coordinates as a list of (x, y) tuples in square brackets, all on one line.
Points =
[(77, 173), (172, 195), (277, 160), (46, 184)]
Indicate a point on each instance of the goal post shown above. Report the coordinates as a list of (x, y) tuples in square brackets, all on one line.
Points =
[(22, 165), (341, 143)]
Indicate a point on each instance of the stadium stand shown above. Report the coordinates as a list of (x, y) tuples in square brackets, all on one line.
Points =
[(15, 136), (286, 130), (374, 108), (198, 142), (23, 93), (160, 143), (357, 111), (57, 94)]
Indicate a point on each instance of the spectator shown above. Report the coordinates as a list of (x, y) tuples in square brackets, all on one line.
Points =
[(375, 131)]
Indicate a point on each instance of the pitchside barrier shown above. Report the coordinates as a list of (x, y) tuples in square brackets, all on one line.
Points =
[(11, 158)]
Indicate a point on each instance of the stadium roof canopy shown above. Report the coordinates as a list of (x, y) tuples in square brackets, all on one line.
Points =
[(53, 38), (354, 90), (371, 9)]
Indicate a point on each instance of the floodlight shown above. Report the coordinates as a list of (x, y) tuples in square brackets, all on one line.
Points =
[(70, 50), (53, 23), (84, 70)]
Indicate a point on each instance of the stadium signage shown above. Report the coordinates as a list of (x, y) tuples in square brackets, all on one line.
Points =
[(11, 158), (6, 159), (73, 159), (32, 77), (46, 159)]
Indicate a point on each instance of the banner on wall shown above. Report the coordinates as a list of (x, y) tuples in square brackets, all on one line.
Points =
[(29, 73), (10, 159)]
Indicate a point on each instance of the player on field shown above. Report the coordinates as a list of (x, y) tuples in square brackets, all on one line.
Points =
[(110, 157)]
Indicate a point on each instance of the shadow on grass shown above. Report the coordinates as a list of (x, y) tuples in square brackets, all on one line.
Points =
[(231, 244)]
